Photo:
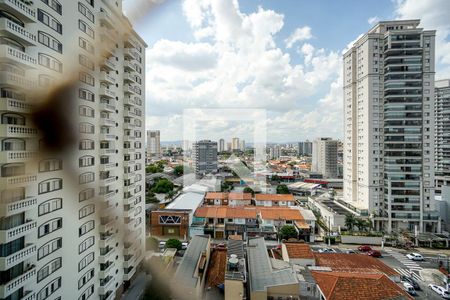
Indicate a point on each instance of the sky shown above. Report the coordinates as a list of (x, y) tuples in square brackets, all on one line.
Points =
[(283, 57)]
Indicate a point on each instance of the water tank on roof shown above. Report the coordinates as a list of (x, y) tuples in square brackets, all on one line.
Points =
[(233, 263)]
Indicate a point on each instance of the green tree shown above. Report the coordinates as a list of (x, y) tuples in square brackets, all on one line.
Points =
[(154, 168), (173, 243), (249, 190), (162, 186), (288, 231), (350, 221), (361, 224), (282, 189), (275, 178), (178, 170)]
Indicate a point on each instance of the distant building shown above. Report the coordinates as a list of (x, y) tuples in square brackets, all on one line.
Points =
[(205, 157), (235, 144), (153, 144), (305, 148), (221, 145), (242, 145), (229, 146), (324, 158), (276, 152), (442, 134)]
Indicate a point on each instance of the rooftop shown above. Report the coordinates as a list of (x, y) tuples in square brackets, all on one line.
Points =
[(260, 269), (274, 197), (215, 195), (298, 250), (249, 212), (240, 196), (188, 201), (350, 286)]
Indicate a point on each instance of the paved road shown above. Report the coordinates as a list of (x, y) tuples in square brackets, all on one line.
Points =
[(136, 290)]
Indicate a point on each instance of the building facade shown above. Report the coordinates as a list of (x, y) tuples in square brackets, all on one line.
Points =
[(442, 133), (305, 148), (205, 157), (72, 224), (324, 157), (221, 145), (389, 126), (153, 144), (235, 144)]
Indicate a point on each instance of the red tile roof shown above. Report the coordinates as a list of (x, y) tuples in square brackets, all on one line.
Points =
[(250, 212), (351, 286), (274, 197), (354, 263), (240, 196), (299, 250), (279, 213), (212, 195)]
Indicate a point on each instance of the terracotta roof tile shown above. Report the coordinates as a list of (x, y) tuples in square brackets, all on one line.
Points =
[(283, 213), (250, 212), (212, 195), (351, 286), (299, 250), (274, 197), (240, 196)]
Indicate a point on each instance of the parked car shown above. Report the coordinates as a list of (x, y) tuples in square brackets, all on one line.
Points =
[(364, 248), (415, 256), (409, 288), (411, 281), (184, 245), (374, 253), (327, 250), (350, 251), (440, 290)]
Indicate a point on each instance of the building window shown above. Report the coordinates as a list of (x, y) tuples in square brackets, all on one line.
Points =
[(49, 247), (86, 194), (86, 244), (49, 269), (86, 111), (86, 227), (45, 80), (85, 12), (49, 227), (85, 261), (85, 278), (49, 165), (86, 211), (50, 21), (54, 4), (86, 95), (87, 293), (86, 144), (86, 62), (83, 43), (49, 206), (86, 161), (87, 78), (50, 185), (86, 177), (86, 28), (50, 62), (49, 41), (49, 289), (86, 128)]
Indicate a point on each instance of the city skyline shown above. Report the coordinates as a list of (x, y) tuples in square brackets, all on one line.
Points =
[(294, 47)]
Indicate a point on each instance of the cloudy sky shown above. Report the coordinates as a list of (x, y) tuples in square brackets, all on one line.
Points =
[(281, 56)]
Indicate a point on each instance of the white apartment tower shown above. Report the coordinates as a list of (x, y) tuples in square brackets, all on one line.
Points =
[(71, 227), (442, 133), (221, 145), (389, 126), (153, 144), (235, 144), (324, 157)]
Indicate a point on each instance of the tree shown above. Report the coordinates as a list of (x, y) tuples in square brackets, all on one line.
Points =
[(173, 243), (350, 221), (288, 231), (249, 190), (178, 170), (282, 189), (361, 224), (154, 168), (275, 178), (162, 186)]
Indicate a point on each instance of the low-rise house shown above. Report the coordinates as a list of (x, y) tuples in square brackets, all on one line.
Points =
[(188, 281), (297, 253), (274, 200), (234, 199), (235, 270), (239, 199), (215, 198)]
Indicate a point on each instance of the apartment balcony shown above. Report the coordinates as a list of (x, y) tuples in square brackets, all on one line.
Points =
[(106, 19), (15, 56), (105, 77), (127, 77), (130, 42), (109, 64), (19, 9), (28, 277), (129, 273), (131, 262), (129, 66), (110, 295), (29, 295), (108, 195), (107, 166), (14, 105), (106, 256), (130, 53), (15, 181), (132, 100), (106, 286), (20, 256), (107, 122), (17, 32), (104, 273), (108, 34), (13, 80), (107, 49), (129, 138), (128, 126), (16, 232), (106, 151), (129, 113), (129, 213), (129, 89), (107, 225), (107, 137), (106, 240), (130, 200), (103, 91), (16, 156), (19, 206), (108, 181)]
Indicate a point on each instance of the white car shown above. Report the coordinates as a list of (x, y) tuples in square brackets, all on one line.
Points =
[(327, 250), (184, 246), (409, 288), (414, 256), (440, 290)]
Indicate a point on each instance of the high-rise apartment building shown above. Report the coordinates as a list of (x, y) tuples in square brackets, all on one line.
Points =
[(221, 145), (305, 148), (235, 144), (242, 145), (389, 126), (442, 133), (205, 157), (153, 144), (72, 226), (324, 157)]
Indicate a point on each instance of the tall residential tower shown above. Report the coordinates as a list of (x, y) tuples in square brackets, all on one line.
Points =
[(389, 126), (324, 157), (153, 144)]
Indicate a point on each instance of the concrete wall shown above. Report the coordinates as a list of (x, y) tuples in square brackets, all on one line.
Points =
[(370, 240)]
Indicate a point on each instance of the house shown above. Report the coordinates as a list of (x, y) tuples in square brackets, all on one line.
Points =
[(297, 253), (362, 286), (215, 198), (188, 281), (239, 199), (274, 200), (235, 270), (234, 199)]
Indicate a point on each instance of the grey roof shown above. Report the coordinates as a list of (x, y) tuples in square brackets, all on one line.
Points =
[(188, 201), (185, 271), (261, 273), (235, 247)]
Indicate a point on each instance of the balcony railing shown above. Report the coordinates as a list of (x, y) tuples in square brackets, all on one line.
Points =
[(18, 282), (16, 156), (11, 234), (18, 32), (17, 257), (17, 56), (17, 81), (6, 182), (107, 78), (105, 92), (19, 8), (14, 105), (15, 207)]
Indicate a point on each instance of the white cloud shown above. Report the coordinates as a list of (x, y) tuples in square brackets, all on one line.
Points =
[(373, 20), (236, 63), (300, 34), (434, 15)]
